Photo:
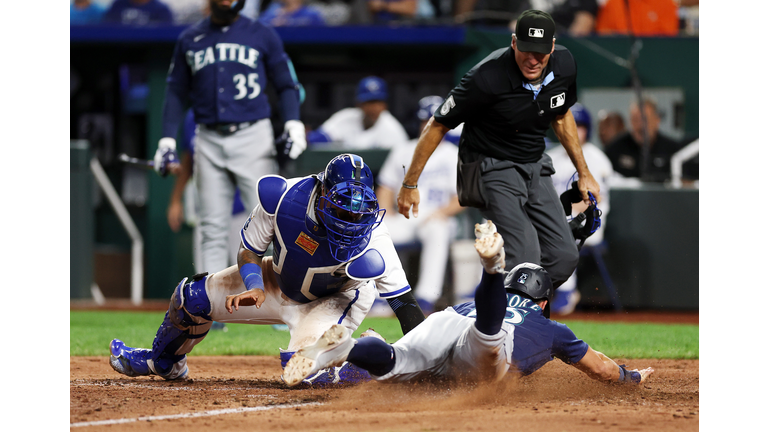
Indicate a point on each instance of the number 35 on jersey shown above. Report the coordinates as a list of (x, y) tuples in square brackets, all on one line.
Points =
[(246, 85)]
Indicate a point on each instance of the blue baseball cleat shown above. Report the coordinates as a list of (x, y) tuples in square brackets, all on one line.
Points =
[(138, 362), (129, 361)]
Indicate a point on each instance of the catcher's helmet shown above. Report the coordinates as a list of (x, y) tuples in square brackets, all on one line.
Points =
[(582, 117), (349, 207), (532, 281)]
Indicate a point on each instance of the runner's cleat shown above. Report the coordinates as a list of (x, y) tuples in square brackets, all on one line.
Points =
[(490, 247), (330, 350)]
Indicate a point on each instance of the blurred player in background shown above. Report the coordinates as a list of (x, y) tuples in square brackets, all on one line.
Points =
[(184, 204), (567, 295), (331, 255), (366, 126), (221, 65), (504, 329), (138, 13), (436, 227)]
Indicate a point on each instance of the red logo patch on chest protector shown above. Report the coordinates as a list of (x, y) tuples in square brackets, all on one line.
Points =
[(305, 242)]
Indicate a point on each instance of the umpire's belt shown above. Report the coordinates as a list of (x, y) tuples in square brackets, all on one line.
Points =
[(226, 129)]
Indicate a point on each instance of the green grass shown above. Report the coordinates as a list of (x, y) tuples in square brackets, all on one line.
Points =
[(91, 331)]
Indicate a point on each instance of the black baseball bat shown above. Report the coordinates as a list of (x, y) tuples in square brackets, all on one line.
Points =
[(136, 161)]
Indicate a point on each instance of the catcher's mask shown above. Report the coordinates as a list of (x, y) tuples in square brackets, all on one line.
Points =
[(348, 206), (586, 223), (532, 281)]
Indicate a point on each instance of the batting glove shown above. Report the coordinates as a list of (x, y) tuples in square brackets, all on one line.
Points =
[(298, 136), (165, 155)]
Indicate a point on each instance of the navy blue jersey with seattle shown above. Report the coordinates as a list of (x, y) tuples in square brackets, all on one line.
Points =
[(223, 71), (537, 340)]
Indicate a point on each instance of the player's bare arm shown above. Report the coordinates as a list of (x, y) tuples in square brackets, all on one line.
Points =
[(430, 138), (175, 206), (565, 129), (248, 263), (600, 367)]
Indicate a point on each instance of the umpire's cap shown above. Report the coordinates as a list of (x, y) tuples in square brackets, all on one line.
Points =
[(532, 281), (371, 88), (535, 31)]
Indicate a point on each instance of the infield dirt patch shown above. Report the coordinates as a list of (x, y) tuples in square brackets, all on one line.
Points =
[(557, 396)]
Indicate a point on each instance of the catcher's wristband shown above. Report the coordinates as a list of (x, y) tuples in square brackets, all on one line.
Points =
[(251, 274), (630, 377), (407, 186)]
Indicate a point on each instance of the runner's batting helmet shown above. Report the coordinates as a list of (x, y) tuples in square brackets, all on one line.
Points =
[(532, 281)]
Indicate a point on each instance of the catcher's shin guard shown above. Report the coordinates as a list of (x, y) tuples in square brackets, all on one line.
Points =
[(186, 324)]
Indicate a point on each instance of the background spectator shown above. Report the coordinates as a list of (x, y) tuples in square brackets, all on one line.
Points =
[(368, 125), (85, 12), (626, 154), (393, 10), (189, 11), (646, 17), (610, 125), (139, 12), (291, 13)]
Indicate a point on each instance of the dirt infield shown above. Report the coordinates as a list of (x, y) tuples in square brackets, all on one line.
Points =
[(245, 393)]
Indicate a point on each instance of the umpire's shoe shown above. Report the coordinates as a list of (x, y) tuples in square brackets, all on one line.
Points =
[(138, 362), (330, 350), (490, 246)]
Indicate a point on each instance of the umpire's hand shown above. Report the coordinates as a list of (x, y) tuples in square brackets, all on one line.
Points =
[(587, 183), (407, 198)]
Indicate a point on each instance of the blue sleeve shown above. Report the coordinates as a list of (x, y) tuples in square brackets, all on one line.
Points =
[(283, 78), (566, 346), (188, 132), (176, 90)]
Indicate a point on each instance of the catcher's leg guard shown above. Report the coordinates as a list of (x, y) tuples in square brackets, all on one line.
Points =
[(186, 324)]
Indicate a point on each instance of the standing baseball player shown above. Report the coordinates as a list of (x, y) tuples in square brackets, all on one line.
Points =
[(504, 329), (507, 103), (222, 66), (331, 255)]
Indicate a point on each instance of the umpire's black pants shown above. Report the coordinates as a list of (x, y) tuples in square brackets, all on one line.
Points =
[(522, 202)]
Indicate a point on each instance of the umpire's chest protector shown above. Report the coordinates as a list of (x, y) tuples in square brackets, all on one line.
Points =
[(302, 258)]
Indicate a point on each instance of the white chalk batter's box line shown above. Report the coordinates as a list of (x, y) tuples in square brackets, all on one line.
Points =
[(160, 387), (190, 415)]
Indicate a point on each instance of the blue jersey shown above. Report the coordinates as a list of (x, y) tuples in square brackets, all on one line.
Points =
[(305, 269), (224, 72), (537, 340)]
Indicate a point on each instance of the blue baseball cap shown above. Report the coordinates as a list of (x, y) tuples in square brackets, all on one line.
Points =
[(427, 107), (371, 88)]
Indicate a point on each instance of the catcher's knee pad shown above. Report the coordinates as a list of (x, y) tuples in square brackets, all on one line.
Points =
[(186, 323)]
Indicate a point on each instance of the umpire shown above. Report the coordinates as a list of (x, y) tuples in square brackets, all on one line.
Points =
[(507, 103)]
